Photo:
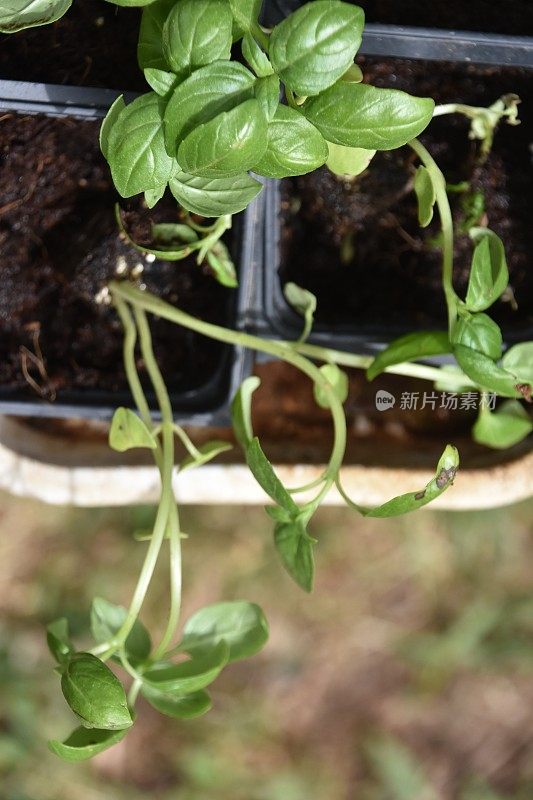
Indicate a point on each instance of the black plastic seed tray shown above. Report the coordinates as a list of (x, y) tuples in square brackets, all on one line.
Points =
[(206, 405)]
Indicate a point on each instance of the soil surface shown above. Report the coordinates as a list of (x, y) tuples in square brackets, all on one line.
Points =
[(94, 44), (60, 246), (358, 245), (507, 16)]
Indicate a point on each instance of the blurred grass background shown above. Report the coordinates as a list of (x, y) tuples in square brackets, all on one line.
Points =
[(406, 675)]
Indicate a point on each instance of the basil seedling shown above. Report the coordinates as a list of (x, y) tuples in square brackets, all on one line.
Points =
[(210, 121)]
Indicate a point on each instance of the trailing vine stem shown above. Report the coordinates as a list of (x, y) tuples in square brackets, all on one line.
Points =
[(282, 350), (167, 519), (443, 204)]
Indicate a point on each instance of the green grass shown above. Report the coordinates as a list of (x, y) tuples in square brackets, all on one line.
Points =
[(407, 674)]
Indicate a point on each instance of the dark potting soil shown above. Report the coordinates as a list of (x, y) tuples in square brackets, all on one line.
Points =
[(94, 44), (59, 246), (504, 17), (358, 246)]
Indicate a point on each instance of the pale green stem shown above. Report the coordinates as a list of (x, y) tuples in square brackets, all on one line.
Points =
[(446, 220), (168, 430), (165, 461), (281, 350), (134, 692), (261, 36), (458, 108), (408, 369), (185, 440)]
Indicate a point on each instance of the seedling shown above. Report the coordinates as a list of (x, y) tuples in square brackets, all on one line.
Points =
[(209, 120)]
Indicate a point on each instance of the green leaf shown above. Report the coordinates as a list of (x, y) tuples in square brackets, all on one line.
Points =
[(349, 161), (196, 33), (295, 548), (153, 196), (404, 504), (316, 45), (489, 275), (426, 196), (486, 373), (241, 625), (230, 144), (354, 74), (186, 706), (106, 621), (171, 233), (409, 348), (304, 302), (358, 115), (203, 96), (219, 259), (246, 12), (265, 476), (150, 46), (128, 431), (58, 640), (241, 411), (16, 15), (337, 380), (189, 676), (507, 426), (95, 694), (267, 94), (83, 744), (214, 197), (160, 81), (294, 147), (256, 58), (208, 452), (519, 361), (479, 332), (110, 118), (136, 148)]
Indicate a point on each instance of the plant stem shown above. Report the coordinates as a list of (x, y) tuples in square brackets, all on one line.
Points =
[(291, 99), (185, 440), (446, 220), (261, 36), (409, 369), (281, 350), (164, 458), (167, 431)]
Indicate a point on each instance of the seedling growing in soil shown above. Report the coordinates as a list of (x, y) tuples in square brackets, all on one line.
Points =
[(210, 119)]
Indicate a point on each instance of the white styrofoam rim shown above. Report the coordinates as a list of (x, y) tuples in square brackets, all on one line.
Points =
[(29, 473)]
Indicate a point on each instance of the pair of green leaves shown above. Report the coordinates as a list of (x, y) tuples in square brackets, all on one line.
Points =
[(477, 340), (214, 636), (128, 432)]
